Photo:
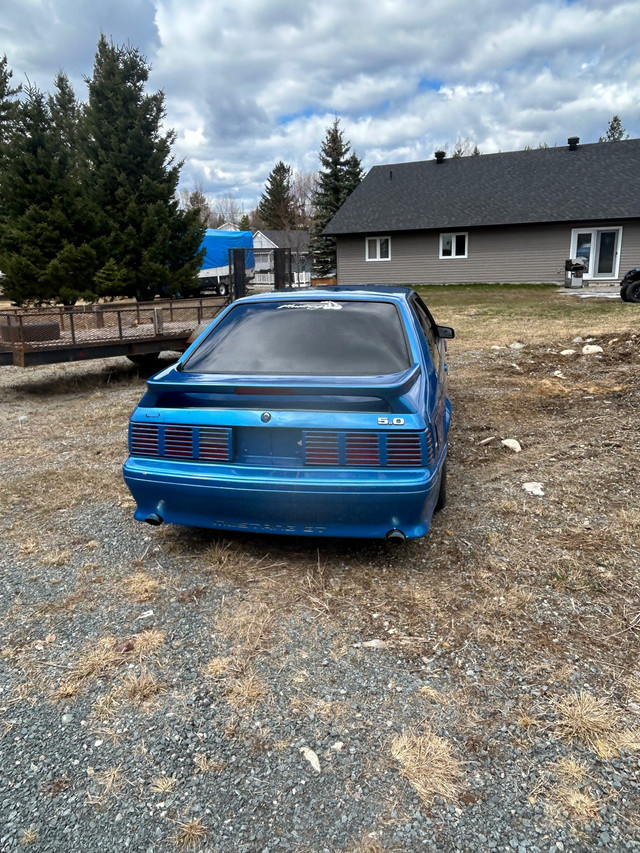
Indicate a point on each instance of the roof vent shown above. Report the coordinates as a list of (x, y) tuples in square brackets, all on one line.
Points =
[(573, 142), (440, 155)]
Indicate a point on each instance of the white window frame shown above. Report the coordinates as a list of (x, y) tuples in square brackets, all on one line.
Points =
[(590, 272), (376, 257), (453, 235)]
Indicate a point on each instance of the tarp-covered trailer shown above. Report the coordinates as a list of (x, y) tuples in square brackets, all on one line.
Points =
[(214, 274)]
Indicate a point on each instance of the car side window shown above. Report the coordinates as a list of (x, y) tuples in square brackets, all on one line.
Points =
[(427, 329)]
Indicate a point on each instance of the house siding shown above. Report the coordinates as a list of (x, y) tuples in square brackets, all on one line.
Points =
[(518, 254)]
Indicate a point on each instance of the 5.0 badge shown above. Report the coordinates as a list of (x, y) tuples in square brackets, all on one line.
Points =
[(391, 421)]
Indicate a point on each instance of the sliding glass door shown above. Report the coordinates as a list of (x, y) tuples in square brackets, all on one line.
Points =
[(599, 248)]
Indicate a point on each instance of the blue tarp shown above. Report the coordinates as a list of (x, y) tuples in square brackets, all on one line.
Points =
[(217, 244)]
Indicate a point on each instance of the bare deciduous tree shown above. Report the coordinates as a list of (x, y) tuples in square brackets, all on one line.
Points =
[(226, 209), (196, 198), (303, 187)]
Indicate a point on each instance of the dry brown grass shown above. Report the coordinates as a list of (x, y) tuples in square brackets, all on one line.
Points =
[(205, 764), (571, 794), (148, 642), (190, 834), (246, 693), (249, 627), (106, 708), (28, 836), (594, 722), (368, 843), (220, 667), (504, 582), (109, 785), (163, 784), (429, 764), (28, 547), (105, 655), (141, 586), (140, 688)]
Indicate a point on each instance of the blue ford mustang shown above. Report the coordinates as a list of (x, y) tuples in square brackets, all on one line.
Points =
[(310, 412)]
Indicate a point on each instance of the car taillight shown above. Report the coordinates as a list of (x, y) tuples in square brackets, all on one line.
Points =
[(362, 448), (143, 440), (321, 448), (404, 449)]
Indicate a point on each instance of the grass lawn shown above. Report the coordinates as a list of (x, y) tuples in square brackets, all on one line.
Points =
[(501, 314)]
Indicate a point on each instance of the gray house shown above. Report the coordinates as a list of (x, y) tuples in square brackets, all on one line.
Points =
[(297, 242), (512, 217)]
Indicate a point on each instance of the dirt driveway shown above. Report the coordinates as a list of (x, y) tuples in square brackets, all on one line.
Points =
[(478, 689)]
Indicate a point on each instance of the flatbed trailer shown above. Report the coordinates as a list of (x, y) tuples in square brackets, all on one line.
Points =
[(138, 330)]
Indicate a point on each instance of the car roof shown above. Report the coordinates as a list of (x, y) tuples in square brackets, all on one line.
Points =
[(332, 291)]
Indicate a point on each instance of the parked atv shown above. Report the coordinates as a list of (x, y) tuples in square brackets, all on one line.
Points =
[(630, 286)]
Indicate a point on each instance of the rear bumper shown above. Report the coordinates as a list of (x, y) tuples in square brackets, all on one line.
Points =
[(320, 502)]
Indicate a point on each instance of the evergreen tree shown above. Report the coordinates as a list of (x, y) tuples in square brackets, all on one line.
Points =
[(245, 223), (339, 176), (276, 205), (71, 270), (615, 131), (43, 249), (352, 176), (8, 119), (144, 243)]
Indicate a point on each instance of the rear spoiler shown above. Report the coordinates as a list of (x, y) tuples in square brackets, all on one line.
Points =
[(388, 388)]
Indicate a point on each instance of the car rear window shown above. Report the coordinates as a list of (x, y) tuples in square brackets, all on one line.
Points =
[(309, 338)]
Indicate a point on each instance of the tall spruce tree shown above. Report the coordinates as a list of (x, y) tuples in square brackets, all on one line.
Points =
[(340, 174), (8, 119), (43, 249), (71, 271), (276, 207), (144, 243)]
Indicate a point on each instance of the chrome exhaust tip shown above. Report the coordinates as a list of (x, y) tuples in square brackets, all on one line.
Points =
[(154, 519), (395, 535)]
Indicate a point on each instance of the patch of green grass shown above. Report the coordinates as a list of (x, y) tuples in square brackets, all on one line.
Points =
[(537, 312)]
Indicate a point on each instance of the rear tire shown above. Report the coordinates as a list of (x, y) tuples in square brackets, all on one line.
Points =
[(145, 361), (442, 491), (623, 293), (632, 292)]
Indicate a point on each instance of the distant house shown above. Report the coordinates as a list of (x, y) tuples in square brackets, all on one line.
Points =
[(512, 217), (297, 242)]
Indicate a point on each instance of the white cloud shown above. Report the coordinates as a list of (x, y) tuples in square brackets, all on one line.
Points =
[(251, 82)]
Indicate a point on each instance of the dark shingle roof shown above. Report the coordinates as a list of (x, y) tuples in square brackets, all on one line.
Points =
[(298, 241), (596, 181)]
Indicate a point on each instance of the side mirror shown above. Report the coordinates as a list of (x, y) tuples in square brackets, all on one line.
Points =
[(446, 332)]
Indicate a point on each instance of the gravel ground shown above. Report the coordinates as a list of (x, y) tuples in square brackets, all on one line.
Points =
[(479, 689)]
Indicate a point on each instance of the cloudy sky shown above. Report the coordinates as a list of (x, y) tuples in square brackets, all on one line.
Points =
[(251, 82)]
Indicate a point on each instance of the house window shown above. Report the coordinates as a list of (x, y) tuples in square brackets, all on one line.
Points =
[(453, 245), (378, 248), (599, 248)]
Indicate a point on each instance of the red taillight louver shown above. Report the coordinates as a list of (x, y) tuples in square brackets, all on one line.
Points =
[(368, 449), (178, 442), (362, 448), (209, 444), (404, 449), (321, 448), (215, 444), (143, 440)]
